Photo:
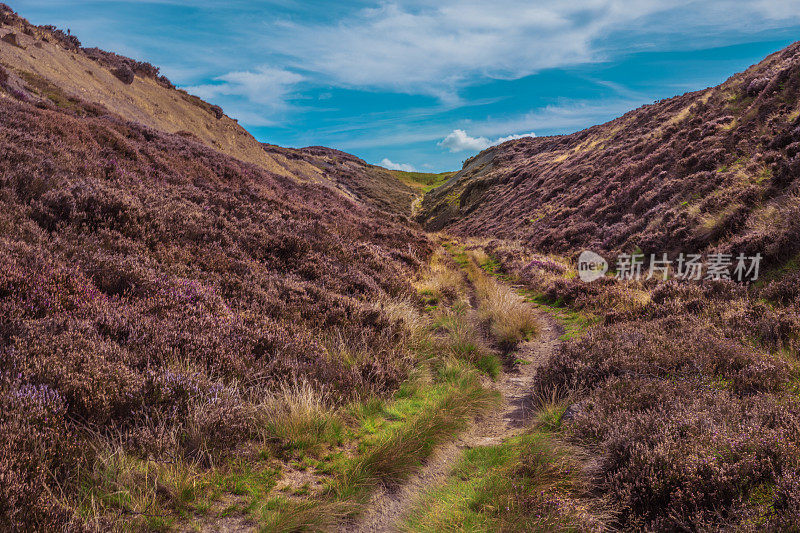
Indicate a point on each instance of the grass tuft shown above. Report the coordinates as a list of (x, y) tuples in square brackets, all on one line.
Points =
[(511, 319), (297, 418), (530, 483)]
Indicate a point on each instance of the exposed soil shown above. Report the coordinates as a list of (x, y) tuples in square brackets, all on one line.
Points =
[(506, 420)]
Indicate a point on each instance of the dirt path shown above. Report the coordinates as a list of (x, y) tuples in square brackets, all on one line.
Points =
[(388, 506)]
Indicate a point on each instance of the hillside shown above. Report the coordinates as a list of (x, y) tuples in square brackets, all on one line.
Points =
[(354, 177), (713, 169), (144, 271), (163, 272), (680, 394), (47, 67)]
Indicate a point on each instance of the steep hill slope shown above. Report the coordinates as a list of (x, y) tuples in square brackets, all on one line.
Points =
[(153, 288), (44, 65), (710, 169)]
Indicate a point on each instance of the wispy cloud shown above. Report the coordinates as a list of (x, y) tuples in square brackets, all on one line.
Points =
[(391, 165), (408, 46), (264, 86)]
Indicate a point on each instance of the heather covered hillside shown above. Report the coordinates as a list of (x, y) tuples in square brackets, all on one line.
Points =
[(203, 332), (356, 178), (713, 169), (149, 282)]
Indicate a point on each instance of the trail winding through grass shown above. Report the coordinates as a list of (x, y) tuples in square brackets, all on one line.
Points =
[(388, 506)]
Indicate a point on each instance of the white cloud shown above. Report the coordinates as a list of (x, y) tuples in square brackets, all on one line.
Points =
[(460, 141), (501, 140), (386, 163), (265, 86)]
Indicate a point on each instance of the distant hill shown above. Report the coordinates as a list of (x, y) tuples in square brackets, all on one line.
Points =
[(356, 178), (712, 169)]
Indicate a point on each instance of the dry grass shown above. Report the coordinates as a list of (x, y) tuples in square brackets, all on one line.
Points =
[(283, 515), (415, 324), (441, 282), (147, 492), (463, 341), (511, 319), (298, 417)]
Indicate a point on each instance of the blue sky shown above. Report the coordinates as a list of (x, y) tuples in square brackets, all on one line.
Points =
[(406, 84)]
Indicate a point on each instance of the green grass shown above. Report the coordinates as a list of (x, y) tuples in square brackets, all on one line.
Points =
[(424, 181), (489, 365), (529, 483), (492, 266), (281, 515), (575, 323), (394, 453), (393, 438), (458, 253)]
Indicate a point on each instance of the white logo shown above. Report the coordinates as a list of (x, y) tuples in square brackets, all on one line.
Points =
[(591, 266)]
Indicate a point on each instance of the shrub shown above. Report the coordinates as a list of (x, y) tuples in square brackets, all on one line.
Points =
[(650, 349), (217, 111), (124, 74), (36, 444), (67, 40), (757, 85), (675, 457), (784, 290)]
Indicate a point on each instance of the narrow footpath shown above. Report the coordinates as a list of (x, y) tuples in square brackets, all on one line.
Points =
[(387, 507)]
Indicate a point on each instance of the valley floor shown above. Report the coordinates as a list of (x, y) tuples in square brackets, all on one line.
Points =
[(390, 506), (395, 463)]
